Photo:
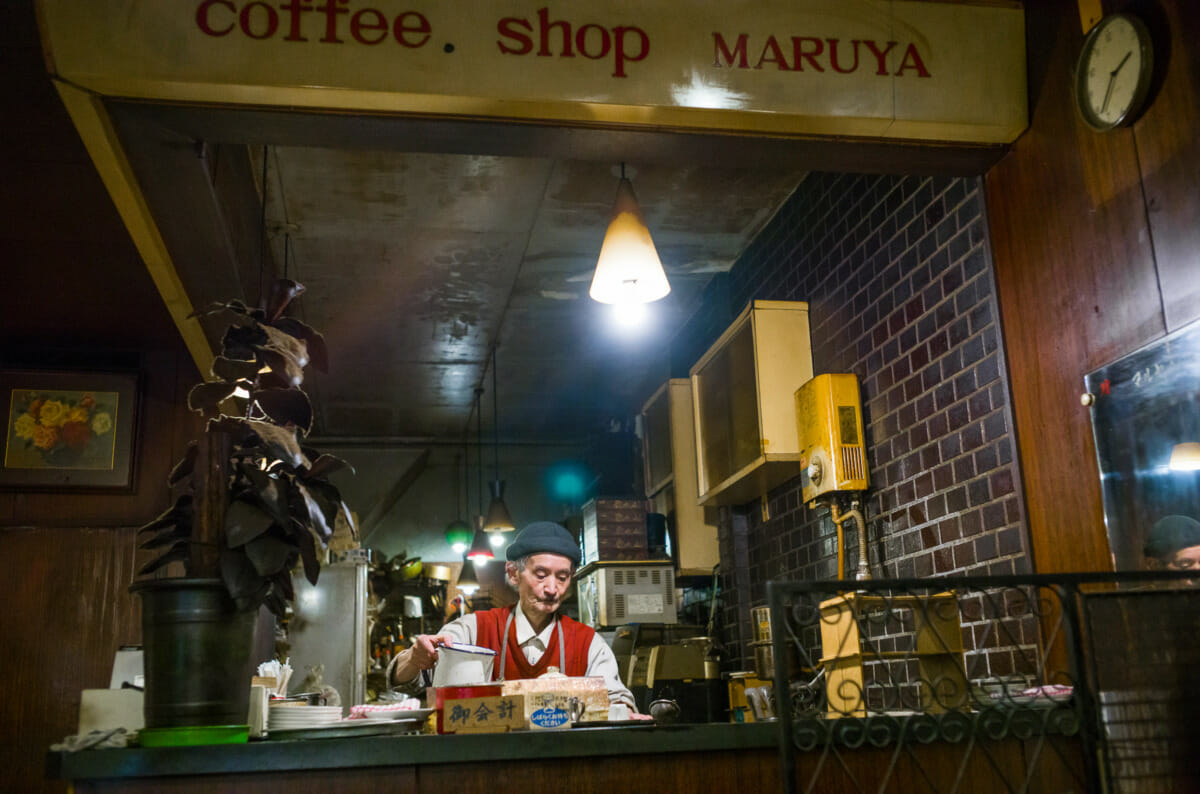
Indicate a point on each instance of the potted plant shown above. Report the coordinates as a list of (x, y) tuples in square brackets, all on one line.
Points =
[(251, 502)]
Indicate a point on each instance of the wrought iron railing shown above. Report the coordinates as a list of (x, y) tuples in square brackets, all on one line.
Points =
[(970, 684)]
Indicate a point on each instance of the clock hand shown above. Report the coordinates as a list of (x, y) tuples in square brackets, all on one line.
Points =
[(1112, 78), (1113, 73)]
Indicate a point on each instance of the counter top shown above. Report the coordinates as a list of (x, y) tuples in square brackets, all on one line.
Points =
[(407, 750)]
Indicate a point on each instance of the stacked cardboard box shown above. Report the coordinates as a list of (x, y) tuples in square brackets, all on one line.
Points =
[(614, 529)]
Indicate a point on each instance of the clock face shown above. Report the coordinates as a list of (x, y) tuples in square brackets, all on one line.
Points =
[(1113, 73)]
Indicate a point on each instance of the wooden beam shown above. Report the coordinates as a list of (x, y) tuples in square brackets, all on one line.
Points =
[(388, 500)]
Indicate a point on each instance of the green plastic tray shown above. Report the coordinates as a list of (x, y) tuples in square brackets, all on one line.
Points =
[(194, 735)]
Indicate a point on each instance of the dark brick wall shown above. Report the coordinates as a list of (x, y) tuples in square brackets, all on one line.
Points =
[(897, 274)]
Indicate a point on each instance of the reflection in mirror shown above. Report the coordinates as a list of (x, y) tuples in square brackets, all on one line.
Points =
[(1146, 421)]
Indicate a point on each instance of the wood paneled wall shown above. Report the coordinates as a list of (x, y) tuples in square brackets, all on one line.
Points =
[(1096, 242), (67, 561)]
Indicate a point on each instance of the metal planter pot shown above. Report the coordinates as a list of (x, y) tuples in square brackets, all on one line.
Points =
[(198, 653)]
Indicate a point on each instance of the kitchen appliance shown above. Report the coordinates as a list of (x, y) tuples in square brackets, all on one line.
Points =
[(329, 627), (829, 424), (632, 643), (614, 593), (688, 673), (614, 529)]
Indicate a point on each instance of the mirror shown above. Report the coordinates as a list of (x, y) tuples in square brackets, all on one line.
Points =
[(1145, 406)]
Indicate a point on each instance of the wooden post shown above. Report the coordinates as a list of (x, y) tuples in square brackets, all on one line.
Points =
[(212, 500)]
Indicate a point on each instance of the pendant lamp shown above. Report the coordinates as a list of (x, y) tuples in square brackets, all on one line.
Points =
[(498, 518), (467, 582), (481, 549), (628, 270), (458, 532), (1185, 456)]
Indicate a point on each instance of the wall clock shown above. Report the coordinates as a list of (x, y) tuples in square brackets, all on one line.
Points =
[(1112, 76)]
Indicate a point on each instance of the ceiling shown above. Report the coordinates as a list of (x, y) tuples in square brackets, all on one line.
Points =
[(418, 265)]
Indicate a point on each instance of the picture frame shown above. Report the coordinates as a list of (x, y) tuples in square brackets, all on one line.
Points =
[(66, 429)]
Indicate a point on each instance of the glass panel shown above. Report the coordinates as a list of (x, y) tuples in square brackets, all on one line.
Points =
[(728, 399), (657, 427), (1146, 405)]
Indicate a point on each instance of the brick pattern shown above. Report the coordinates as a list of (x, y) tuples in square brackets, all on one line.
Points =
[(898, 279)]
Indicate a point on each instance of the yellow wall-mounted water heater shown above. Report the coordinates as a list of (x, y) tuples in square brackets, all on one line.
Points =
[(833, 454)]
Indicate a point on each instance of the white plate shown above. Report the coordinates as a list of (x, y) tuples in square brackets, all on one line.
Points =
[(397, 714), (348, 728)]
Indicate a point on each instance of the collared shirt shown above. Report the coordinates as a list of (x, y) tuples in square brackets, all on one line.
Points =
[(600, 662)]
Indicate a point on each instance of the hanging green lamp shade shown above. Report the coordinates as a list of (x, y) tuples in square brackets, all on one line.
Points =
[(459, 535)]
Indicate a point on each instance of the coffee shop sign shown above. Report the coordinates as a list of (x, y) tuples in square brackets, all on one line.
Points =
[(545, 36)]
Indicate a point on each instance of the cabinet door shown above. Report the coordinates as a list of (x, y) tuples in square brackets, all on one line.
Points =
[(727, 407)]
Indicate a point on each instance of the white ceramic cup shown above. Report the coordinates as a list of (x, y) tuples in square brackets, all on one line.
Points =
[(463, 665)]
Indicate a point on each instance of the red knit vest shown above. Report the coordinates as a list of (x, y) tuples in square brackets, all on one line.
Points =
[(490, 626)]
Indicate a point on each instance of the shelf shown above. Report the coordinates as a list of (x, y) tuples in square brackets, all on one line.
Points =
[(743, 392), (670, 465)]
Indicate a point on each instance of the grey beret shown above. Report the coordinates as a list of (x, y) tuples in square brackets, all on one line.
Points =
[(1170, 534), (544, 537)]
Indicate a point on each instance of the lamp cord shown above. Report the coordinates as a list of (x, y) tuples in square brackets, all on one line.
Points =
[(262, 226), (495, 418), (479, 446)]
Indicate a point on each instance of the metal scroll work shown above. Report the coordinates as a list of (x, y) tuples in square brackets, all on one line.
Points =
[(980, 684)]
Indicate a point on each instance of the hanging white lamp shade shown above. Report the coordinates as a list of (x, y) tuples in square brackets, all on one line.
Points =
[(629, 270), (1185, 457)]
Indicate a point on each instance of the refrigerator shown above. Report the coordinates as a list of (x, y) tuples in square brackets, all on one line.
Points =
[(329, 627)]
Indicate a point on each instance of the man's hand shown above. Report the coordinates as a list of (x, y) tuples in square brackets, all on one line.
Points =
[(424, 649), (423, 655)]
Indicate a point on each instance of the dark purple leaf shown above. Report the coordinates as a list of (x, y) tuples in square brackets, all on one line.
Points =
[(235, 426), (242, 341), (326, 464), (231, 369), (244, 522), (178, 513), (185, 466), (269, 554), (177, 552), (275, 602), (268, 490), (317, 517), (313, 340), (327, 496), (283, 366), (279, 442), (308, 554), (241, 580), (287, 407), (286, 343), (270, 379), (283, 581), (349, 519), (204, 398), (283, 292), (166, 538)]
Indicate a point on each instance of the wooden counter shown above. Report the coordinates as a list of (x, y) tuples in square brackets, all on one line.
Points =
[(652, 759), (630, 759)]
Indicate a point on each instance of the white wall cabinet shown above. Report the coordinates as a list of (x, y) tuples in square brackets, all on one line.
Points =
[(744, 406), (669, 457)]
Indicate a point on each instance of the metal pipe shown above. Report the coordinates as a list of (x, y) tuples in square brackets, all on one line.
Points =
[(864, 571)]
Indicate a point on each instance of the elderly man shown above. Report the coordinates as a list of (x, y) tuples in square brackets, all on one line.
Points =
[(529, 637), (1173, 544)]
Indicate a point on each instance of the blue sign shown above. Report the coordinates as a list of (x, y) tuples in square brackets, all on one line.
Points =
[(549, 718)]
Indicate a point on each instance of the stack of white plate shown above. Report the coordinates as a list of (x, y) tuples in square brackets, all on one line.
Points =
[(295, 718)]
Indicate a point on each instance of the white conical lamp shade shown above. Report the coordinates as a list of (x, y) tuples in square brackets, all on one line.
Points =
[(1185, 456), (629, 270)]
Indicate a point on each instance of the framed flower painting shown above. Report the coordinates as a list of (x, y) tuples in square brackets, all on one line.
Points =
[(68, 429)]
